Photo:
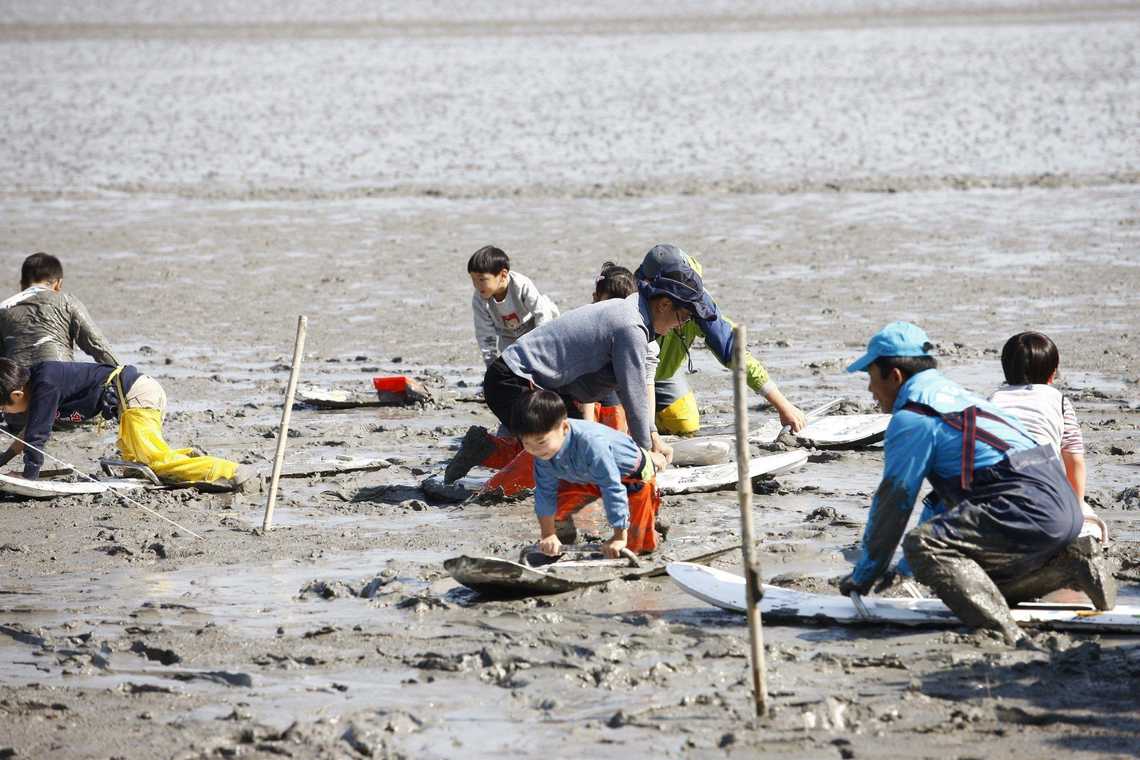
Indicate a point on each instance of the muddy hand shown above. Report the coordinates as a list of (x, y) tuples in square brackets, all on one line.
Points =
[(550, 546), (847, 584), (613, 548), (792, 417)]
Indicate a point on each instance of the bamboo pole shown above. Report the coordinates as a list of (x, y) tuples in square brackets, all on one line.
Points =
[(744, 491), (283, 432)]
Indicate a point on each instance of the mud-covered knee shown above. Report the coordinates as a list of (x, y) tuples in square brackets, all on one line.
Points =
[(916, 547)]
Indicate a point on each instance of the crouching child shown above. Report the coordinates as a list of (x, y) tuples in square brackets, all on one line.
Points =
[(575, 458), (122, 393)]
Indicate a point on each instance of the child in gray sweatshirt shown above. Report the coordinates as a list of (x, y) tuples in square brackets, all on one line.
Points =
[(506, 304)]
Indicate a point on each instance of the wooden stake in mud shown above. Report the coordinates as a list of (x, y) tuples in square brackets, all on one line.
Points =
[(283, 433), (744, 491)]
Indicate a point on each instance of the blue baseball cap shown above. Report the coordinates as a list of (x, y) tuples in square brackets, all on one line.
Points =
[(896, 339)]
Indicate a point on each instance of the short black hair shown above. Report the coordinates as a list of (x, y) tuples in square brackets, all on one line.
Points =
[(488, 260), (537, 412), (13, 377), (909, 366), (40, 267), (1029, 357), (614, 282)]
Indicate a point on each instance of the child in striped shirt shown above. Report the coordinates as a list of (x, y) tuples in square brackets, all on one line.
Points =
[(1029, 361)]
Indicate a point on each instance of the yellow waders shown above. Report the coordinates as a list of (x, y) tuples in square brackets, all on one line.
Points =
[(681, 417), (140, 440)]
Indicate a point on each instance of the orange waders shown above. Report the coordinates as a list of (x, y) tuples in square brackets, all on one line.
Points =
[(517, 466), (644, 501)]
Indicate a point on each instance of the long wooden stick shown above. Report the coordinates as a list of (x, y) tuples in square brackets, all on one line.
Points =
[(283, 433), (744, 491)]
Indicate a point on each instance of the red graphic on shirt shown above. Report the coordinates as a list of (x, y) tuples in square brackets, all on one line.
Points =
[(511, 321)]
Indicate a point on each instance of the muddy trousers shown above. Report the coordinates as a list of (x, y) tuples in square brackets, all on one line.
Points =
[(978, 572), (644, 503), (140, 440)]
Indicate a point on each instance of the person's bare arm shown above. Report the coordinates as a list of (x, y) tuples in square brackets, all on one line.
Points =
[(1075, 472)]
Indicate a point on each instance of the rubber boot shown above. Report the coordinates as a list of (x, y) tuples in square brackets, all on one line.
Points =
[(960, 583), (473, 450), (1092, 571), (1082, 565)]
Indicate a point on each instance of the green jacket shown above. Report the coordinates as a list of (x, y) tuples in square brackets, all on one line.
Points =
[(674, 349), (673, 355)]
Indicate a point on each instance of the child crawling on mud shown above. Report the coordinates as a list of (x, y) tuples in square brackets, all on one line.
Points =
[(121, 392), (575, 462)]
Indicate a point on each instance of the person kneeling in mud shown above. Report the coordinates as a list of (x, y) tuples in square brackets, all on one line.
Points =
[(88, 390), (590, 460), (1001, 523)]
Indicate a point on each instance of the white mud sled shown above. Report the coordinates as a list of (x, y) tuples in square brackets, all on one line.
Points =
[(726, 591)]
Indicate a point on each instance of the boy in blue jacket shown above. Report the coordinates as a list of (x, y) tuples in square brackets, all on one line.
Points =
[(590, 460)]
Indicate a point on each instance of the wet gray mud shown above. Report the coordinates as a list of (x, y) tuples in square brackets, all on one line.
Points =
[(206, 179)]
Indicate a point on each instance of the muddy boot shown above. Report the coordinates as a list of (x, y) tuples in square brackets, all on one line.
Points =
[(248, 481), (960, 582), (474, 449), (566, 531), (1092, 571)]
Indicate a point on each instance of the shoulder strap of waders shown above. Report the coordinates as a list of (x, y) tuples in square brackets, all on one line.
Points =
[(966, 422), (115, 378)]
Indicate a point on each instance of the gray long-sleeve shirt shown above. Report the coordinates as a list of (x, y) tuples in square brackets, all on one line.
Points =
[(38, 325), (591, 351)]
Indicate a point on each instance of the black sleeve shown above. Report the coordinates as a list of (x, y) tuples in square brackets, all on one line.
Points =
[(42, 409)]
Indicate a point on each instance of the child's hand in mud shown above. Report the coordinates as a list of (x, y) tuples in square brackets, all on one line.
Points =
[(550, 546), (613, 547)]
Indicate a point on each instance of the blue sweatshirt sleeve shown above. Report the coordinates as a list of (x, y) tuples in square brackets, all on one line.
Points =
[(545, 489), (41, 414), (909, 456), (606, 475)]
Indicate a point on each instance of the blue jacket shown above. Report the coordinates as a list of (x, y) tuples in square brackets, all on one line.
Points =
[(917, 447), (65, 389), (591, 453)]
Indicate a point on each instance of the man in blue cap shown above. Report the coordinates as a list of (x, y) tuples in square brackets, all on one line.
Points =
[(676, 406), (1000, 525)]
